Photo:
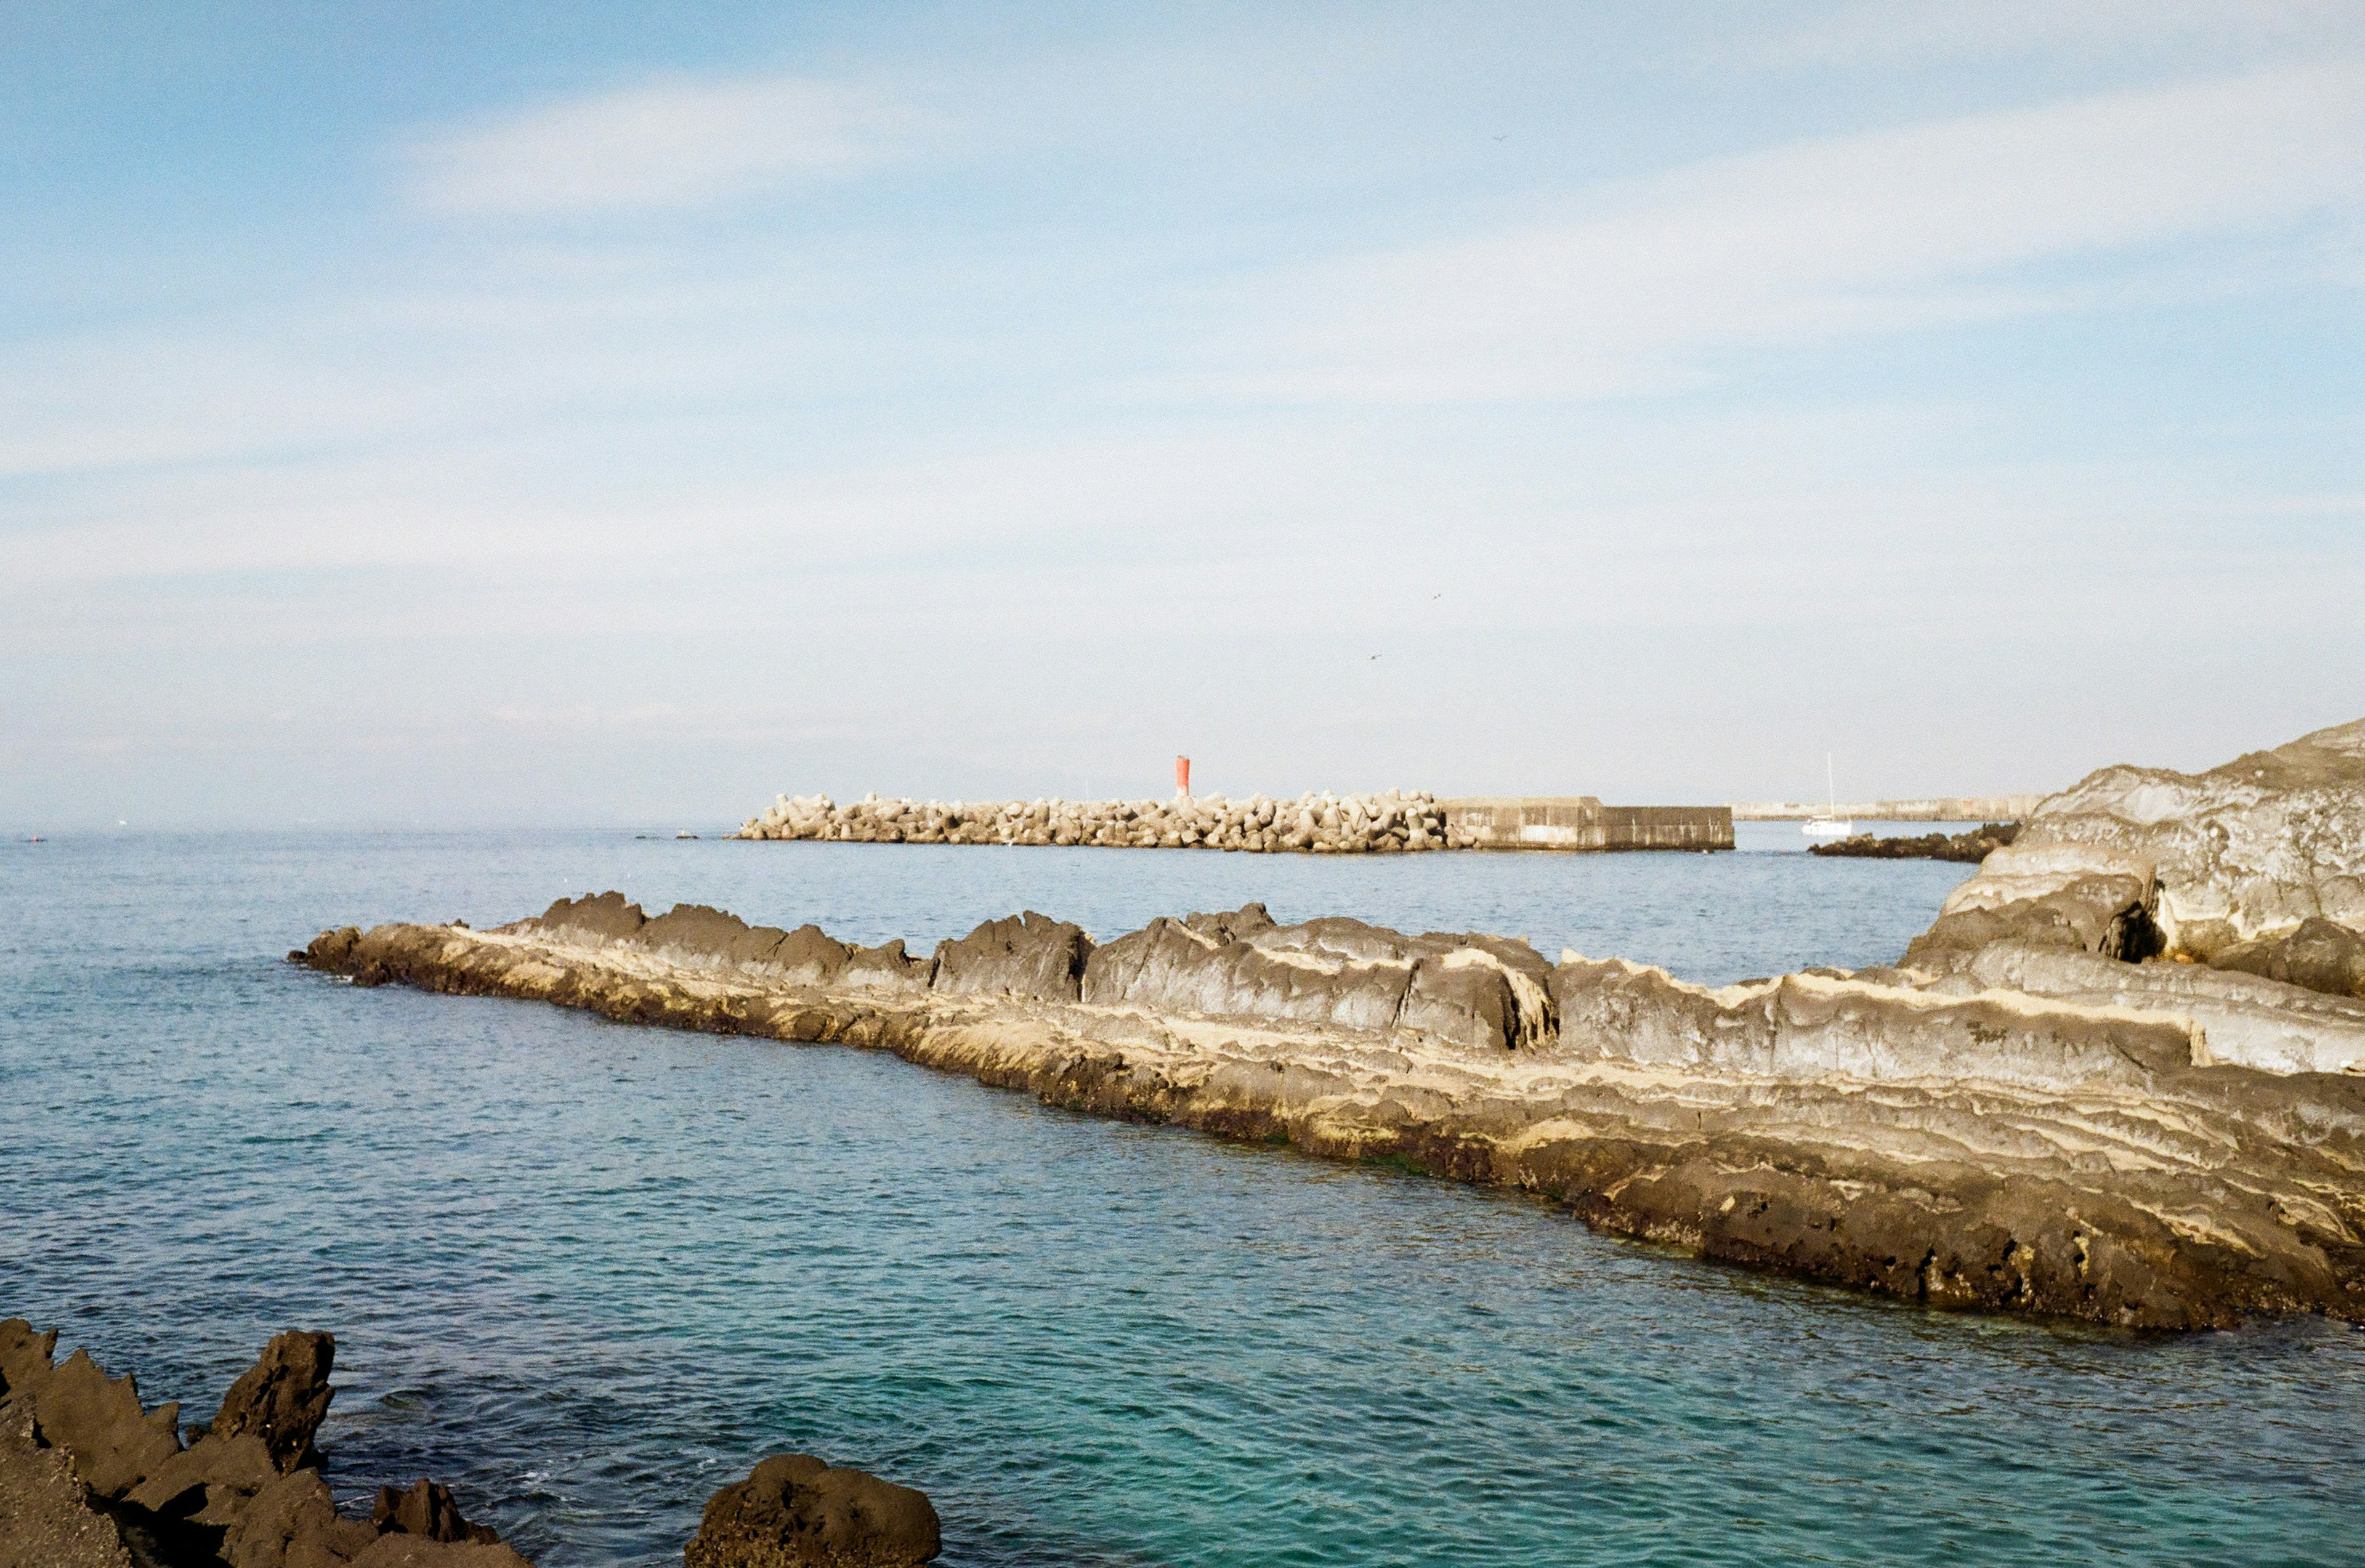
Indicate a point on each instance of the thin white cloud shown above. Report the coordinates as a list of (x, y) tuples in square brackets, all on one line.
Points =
[(671, 144), (1889, 230), (1893, 32)]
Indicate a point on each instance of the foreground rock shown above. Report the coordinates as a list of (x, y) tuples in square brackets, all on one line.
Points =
[(1968, 1147), (90, 1478), (1969, 847), (795, 1511)]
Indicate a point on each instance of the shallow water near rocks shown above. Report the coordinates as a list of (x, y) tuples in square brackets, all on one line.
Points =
[(588, 1273)]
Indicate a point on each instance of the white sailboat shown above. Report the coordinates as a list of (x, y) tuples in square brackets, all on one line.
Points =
[(1830, 825)]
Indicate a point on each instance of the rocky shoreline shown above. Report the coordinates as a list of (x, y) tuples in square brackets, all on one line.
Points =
[(1989, 1150), (90, 1477)]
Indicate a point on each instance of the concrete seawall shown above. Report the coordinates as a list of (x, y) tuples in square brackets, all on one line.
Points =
[(1580, 822), (1327, 824)]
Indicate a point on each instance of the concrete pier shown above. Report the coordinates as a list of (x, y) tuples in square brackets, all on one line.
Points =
[(1581, 822)]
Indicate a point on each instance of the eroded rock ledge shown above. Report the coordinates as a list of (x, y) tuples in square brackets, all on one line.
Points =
[(1974, 1148)]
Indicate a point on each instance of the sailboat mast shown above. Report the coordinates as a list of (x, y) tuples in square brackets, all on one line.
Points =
[(1830, 787)]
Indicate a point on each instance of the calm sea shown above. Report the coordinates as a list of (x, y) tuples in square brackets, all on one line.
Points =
[(589, 1273)]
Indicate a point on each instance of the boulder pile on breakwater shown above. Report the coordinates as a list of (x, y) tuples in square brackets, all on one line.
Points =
[(1327, 824), (91, 1477)]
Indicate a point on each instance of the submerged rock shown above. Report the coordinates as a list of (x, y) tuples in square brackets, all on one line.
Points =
[(795, 1511)]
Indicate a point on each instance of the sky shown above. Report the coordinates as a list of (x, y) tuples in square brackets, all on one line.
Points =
[(598, 413)]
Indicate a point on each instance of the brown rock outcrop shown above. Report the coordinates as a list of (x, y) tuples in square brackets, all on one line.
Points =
[(90, 1479), (427, 1511), (1027, 954), (282, 1398), (795, 1511)]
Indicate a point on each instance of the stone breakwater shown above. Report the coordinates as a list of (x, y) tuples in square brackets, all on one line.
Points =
[(91, 1477), (1323, 824), (1387, 824), (1975, 1147)]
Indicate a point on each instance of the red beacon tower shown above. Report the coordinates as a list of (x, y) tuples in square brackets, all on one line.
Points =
[(1182, 777)]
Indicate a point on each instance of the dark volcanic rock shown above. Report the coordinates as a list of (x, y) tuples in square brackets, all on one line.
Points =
[(427, 1511), (1969, 847), (795, 1511), (2317, 954), (1027, 954), (696, 931), (96, 1419), (605, 918), (90, 1480), (282, 1398)]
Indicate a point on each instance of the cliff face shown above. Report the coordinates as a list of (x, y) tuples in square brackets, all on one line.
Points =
[(1996, 1150)]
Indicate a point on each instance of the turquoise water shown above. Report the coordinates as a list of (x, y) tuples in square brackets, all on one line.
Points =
[(588, 1273)]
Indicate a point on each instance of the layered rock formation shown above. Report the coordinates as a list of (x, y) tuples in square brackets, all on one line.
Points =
[(1992, 1148), (2247, 850), (1969, 847), (90, 1478), (2235, 881), (1323, 824)]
